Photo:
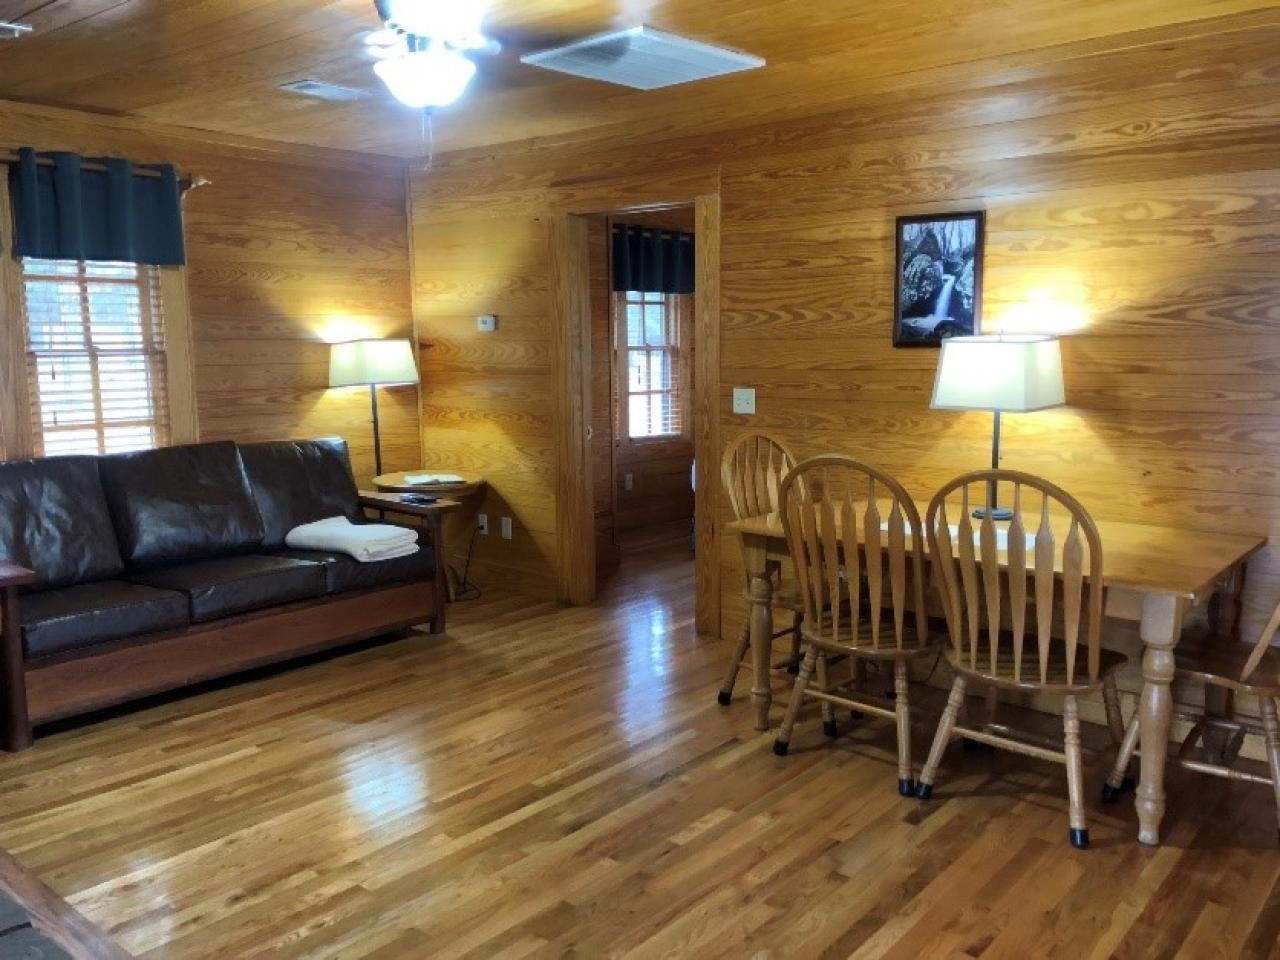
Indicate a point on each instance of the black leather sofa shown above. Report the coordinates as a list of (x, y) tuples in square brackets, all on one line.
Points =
[(136, 573)]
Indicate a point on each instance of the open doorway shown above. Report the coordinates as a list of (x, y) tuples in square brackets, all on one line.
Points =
[(576, 374), (643, 316)]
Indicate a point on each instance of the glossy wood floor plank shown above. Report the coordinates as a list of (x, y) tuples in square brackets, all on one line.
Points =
[(559, 782)]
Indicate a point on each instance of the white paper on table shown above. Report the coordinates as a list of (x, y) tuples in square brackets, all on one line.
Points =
[(414, 479)]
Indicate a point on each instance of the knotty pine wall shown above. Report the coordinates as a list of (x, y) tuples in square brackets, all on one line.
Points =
[(1132, 189), (287, 247)]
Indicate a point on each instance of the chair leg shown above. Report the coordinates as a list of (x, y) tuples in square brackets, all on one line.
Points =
[(1079, 832), (1271, 727), (828, 708), (1119, 779), (1115, 717), (740, 651), (955, 700), (781, 744), (902, 707)]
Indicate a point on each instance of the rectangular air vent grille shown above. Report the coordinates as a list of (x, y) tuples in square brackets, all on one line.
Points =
[(324, 91), (643, 58)]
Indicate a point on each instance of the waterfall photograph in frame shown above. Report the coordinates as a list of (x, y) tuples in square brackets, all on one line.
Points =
[(937, 277)]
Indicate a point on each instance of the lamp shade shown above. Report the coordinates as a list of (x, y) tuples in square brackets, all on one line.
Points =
[(371, 361), (1014, 373)]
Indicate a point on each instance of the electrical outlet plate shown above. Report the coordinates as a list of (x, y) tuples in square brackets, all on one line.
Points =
[(628, 481), (744, 400), (482, 522), (486, 323), (506, 528)]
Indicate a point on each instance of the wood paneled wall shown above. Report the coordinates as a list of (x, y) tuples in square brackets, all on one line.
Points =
[(1132, 186), (287, 247)]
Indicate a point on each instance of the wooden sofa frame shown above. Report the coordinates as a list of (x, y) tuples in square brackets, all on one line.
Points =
[(51, 688)]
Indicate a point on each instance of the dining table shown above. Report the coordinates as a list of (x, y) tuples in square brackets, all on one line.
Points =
[(1153, 575)]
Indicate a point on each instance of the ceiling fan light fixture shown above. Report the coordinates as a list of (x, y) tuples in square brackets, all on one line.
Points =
[(434, 76), (455, 22)]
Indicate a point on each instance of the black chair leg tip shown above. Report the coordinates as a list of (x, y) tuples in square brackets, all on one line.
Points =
[(1110, 794), (723, 698), (780, 748), (830, 729), (924, 790), (1080, 839), (907, 787)]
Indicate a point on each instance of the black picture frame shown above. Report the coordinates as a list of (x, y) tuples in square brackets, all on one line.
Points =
[(954, 245)]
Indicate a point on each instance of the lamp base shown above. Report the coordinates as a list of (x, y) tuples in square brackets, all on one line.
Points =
[(997, 513)]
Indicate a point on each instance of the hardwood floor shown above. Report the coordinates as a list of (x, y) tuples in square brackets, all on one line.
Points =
[(549, 782)]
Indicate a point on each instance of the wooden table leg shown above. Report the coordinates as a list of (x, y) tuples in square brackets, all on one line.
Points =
[(760, 591), (1160, 629)]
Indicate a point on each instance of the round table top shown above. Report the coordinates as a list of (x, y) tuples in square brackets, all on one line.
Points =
[(395, 483)]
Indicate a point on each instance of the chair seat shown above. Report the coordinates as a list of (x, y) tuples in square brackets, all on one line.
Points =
[(1056, 675), (1220, 662), (913, 644)]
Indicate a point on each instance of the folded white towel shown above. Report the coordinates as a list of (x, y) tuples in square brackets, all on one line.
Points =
[(366, 542)]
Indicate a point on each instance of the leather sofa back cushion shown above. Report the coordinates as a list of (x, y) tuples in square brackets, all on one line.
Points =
[(54, 520), (299, 481), (180, 503)]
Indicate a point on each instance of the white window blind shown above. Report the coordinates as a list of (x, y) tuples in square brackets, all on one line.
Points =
[(652, 361), (95, 357)]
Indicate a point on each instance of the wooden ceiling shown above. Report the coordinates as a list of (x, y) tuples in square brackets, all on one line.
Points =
[(216, 65)]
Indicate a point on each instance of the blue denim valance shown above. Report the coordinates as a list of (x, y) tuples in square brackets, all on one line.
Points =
[(652, 261), (65, 212)]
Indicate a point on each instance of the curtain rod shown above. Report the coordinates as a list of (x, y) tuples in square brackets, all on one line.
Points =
[(186, 183)]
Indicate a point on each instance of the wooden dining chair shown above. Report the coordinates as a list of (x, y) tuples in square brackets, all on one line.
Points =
[(752, 472), (1238, 668), (856, 541), (1050, 580)]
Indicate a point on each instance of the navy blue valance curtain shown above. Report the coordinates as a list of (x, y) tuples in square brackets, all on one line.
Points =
[(66, 212), (652, 261)]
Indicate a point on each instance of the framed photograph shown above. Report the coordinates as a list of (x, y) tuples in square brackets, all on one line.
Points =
[(938, 273)]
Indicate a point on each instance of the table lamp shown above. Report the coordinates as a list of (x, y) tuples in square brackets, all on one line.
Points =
[(376, 363), (998, 373)]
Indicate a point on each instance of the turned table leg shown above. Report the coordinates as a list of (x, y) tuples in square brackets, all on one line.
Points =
[(1160, 628), (760, 592)]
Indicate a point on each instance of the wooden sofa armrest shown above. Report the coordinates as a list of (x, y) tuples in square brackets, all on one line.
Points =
[(15, 728), (12, 575)]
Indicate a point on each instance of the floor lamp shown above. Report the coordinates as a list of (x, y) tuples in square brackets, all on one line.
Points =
[(998, 373), (378, 363)]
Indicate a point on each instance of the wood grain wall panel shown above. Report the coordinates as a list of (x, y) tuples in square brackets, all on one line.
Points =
[(287, 248), (1132, 190), (602, 387)]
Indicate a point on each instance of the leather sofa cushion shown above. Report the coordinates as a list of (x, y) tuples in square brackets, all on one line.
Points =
[(180, 503), (299, 481), (225, 586), (54, 520), (67, 618), (343, 573)]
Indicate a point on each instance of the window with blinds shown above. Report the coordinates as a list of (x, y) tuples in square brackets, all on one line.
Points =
[(651, 358), (95, 352)]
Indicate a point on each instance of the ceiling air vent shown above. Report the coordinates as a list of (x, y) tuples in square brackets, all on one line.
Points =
[(324, 91), (643, 58)]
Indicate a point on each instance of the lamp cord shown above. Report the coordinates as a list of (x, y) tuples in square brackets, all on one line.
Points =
[(466, 589)]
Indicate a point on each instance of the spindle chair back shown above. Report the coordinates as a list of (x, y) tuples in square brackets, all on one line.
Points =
[(1047, 599)]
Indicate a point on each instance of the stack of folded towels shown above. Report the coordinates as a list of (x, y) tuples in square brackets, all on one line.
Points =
[(367, 542)]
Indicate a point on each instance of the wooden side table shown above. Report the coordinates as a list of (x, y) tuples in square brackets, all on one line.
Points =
[(472, 483)]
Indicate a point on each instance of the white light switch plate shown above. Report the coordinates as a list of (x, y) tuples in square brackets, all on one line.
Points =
[(486, 323), (744, 400), (506, 528)]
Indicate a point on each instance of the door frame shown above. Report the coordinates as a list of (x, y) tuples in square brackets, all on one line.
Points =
[(571, 389)]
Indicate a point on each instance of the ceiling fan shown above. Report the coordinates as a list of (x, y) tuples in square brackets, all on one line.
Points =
[(421, 49)]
